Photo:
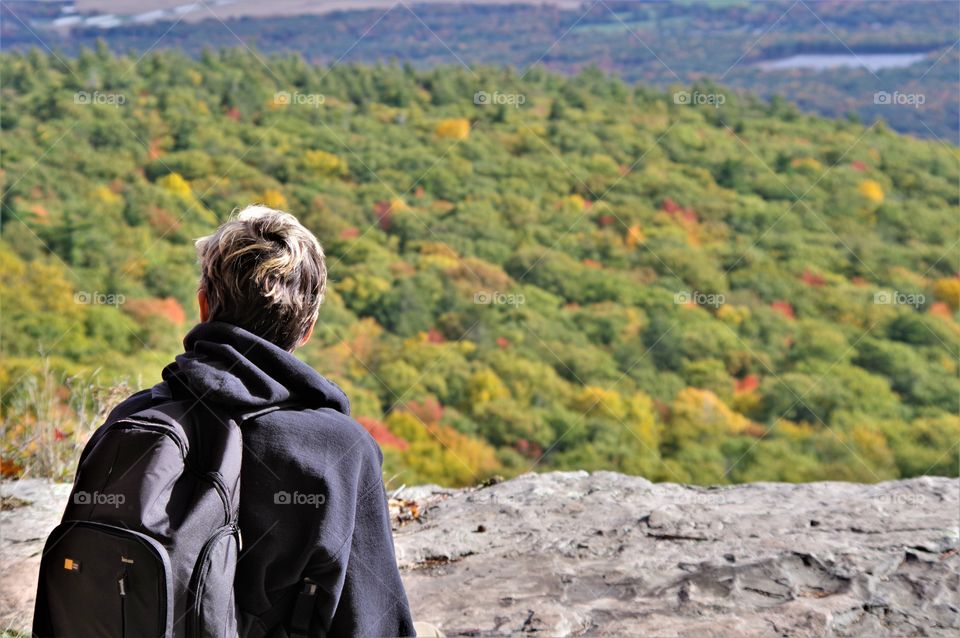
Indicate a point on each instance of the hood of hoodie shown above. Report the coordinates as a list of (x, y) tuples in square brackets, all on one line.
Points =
[(225, 365)]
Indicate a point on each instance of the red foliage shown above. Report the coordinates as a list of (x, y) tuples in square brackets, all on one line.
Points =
[(812, 279), (429, 410), (381, 434), (748, 383), (674, 209), (605, 220), (859, 166), (784, 307), (663, 410), (169, 309), (528, 449), (383, 210), (162, 220), (234, 114), (58, 434), (435, 336), (503, 342), (592, 263), (350, 233), (670, 206)]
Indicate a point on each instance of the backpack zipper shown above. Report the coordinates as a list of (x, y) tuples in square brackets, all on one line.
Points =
[(153, 545), (122, 587), (167, 431), (200, 576)]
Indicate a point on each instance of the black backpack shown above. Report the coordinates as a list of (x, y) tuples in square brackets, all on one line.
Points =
[(149, 540)]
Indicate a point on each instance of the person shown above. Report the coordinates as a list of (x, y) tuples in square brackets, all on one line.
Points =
[(312, 499)]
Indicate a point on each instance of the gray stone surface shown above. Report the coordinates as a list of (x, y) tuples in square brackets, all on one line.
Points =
[(577, 554), (30, 509)]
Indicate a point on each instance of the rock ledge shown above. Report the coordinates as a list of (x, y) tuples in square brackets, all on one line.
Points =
[(602, 554)]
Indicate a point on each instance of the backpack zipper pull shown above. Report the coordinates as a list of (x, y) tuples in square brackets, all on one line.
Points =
[(122, 584)]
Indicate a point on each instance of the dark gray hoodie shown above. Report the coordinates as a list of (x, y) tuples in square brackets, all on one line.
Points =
[(312, 501)]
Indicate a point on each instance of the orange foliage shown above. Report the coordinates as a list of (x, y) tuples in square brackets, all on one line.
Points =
[(43, 215), (634, 236), (10, 468), (940, 309), (948, 291), (168, 309), (748, 383), (154, 151)]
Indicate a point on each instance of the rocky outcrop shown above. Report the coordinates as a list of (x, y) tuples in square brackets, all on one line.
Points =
[(602, 554)]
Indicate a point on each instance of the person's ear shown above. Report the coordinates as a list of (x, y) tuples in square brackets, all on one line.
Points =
[(307, 336), (202, 302)]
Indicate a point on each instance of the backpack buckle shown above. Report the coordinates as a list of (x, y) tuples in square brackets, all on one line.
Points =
[(303, 608)]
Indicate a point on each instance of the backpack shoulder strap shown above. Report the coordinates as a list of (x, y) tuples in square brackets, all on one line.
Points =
[(297, 606), (283, 405), (303, 610)]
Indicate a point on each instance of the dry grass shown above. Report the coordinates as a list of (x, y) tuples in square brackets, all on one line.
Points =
[(46, 421)]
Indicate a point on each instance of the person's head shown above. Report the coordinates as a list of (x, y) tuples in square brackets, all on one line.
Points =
[(264, 272)]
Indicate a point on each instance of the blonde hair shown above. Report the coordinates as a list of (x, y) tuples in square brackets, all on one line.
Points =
[(264, 271)]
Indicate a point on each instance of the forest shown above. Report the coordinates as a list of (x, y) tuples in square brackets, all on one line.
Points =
[(526, 273), (657, 42)]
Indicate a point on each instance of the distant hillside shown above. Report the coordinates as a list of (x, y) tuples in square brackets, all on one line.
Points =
[(656, 42), (226, 9), (546, 272)]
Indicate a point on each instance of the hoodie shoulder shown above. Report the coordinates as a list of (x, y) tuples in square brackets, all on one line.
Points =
[(323, 436)]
